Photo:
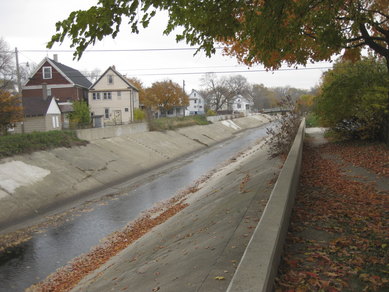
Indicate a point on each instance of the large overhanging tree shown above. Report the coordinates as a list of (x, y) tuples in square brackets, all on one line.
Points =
[(255, 31)]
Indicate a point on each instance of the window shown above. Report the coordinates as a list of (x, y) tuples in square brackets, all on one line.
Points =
[(119, 93), (96, 95), (195, 101), (238, 105), (126, 109), (47, 74), (106, 113), (194, 94), (110, 79), (107, 95), (55, 121)]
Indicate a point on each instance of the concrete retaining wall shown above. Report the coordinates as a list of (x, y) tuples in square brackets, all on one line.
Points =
[(214, 119), (114, 131), (259, 264)]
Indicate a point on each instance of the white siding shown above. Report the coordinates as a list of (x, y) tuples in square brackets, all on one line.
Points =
[(122, 103)]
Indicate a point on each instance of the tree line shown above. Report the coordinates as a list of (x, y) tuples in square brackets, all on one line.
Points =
[(218, 93)]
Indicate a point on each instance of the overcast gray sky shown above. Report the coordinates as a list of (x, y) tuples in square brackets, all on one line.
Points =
[(29, 24)]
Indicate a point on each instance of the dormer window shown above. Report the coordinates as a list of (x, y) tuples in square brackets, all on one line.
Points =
[(47, 73)]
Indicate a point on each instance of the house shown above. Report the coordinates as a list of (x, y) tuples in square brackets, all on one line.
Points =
[(241, 104), (196, 103), (113, 98), (64, 83), (175, 111), (40, 114)]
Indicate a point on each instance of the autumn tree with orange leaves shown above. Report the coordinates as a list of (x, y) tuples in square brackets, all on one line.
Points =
[(10, 111), (141, 89), (165, 95)]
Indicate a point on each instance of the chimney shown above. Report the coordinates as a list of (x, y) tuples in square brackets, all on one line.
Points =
[(44, 91), (55, 57), (113, 67)]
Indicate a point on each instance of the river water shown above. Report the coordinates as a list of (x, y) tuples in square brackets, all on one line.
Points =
[(32, 261)]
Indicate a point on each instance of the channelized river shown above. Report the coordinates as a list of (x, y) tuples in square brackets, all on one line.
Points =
[(33, 260)]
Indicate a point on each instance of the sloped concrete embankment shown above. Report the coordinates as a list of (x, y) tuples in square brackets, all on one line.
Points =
[(30, 184), (259, 264)]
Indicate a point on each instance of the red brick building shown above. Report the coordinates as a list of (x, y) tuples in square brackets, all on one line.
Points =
[(52, 78)]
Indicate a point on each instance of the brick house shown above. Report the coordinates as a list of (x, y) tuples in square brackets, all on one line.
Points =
[(62, 82)]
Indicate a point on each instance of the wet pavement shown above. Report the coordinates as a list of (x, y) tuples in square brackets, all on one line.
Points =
[(51, 248)]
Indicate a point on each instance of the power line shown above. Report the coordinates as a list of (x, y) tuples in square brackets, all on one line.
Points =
[(233, 71), (206, 72), (114, 50)]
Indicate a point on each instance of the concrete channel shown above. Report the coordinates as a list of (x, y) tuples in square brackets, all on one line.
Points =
[(32, 184)]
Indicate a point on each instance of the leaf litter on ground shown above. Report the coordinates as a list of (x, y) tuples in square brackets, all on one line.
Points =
[(338, 234)]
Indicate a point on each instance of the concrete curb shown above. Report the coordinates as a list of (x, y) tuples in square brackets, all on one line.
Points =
[(259, 264)]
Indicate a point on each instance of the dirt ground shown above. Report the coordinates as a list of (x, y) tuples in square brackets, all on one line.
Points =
[(338, 235)]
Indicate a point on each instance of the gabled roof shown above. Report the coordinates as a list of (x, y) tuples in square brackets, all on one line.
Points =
[(198, 93), (72, 75), (112, 68), (35, 106)]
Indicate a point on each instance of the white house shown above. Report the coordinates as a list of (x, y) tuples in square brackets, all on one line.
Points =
[(196, 103), (113, 98), (241, 104)]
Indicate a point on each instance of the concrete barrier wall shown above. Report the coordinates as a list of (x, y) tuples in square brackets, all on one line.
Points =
[(214, 119), (110, 132), (259, 264)]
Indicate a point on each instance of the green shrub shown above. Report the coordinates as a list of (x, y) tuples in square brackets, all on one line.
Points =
[(201, 120), (26, 143), (211, 112), (312, 120), (80, 117), (139, 115)]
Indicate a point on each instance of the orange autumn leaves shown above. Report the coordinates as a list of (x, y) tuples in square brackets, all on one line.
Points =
[(10, 110), (337, 239)]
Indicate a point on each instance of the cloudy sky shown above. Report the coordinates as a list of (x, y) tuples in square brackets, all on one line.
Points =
[(29, 24)]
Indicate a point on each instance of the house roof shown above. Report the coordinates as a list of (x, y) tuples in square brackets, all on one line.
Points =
[(112, 68), (35, 106), (74, 75), (66, 107)]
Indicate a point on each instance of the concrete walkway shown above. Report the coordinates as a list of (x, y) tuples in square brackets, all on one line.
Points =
[(199, 248)]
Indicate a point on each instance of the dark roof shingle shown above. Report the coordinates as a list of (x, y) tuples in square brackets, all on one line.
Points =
[(35, 106), (74, 75)]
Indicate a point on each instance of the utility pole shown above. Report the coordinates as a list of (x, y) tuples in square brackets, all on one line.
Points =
[(18, 71)]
